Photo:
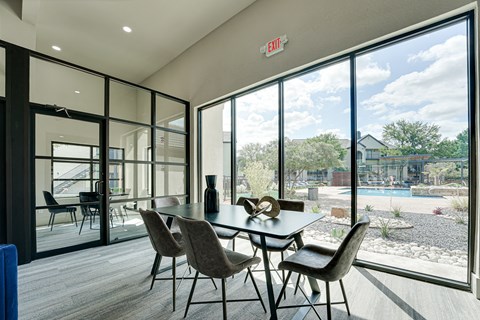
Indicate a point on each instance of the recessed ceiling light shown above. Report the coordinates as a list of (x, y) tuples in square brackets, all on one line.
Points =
[(56, 48), (76, 91), (60, 136), (127, 29)]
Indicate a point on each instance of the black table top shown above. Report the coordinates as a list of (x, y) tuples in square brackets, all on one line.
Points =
[(287, 223)]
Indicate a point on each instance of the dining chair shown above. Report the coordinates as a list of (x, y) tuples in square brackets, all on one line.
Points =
[(277, 245), (230, 234), (207, 256), (168, 202), (50, 201), (90, 211), (325, 264), (165, 243)]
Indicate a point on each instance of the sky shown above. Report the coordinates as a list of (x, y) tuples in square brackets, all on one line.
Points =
[(423, 78)]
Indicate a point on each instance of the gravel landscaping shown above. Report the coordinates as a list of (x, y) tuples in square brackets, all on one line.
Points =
[(437, 238)]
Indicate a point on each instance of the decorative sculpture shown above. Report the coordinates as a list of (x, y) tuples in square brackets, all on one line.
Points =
[(267, 206)]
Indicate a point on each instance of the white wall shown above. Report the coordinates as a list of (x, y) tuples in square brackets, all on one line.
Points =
[(228, 59)]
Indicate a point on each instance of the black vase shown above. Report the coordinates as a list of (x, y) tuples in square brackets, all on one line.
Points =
[(212, 201)]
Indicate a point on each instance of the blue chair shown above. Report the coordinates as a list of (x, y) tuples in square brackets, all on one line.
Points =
[(8, 282)]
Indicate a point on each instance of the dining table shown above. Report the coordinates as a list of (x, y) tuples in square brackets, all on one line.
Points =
[(286, 225)]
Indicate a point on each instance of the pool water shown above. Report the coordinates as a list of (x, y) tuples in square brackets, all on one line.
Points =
[(385, 192)]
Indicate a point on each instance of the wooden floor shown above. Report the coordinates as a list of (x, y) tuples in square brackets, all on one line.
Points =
[(113, 283)]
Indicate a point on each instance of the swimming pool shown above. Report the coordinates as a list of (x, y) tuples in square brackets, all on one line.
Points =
[(387, 192)]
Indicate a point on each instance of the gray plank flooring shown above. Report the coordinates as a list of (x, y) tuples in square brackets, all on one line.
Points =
[(113, 283)]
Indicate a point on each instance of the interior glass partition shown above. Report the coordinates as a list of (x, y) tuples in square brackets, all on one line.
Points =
[(256, 117), (64, 168), (317, 144), (171, 161), (216, 132), (130, 165), (413, 160), (65, 87)]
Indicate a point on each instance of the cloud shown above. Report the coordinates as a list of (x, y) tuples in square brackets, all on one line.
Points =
[(369, 72), (437, 93), (296, 121), (338, 132)]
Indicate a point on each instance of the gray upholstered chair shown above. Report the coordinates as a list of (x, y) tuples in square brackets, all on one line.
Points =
[(230, 234), (273, 244), (326, 264), (207, 256), (165, 244), (168, 202)]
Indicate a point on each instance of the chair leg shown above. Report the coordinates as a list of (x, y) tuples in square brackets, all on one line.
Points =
[(298, 283), (283, 289), (344, 296), (81, 226), (50, 219), (224, 299), (254, 254), (249, 272), (191, 294), (213, 281), (174, 269), (155, 263), (53, 220), (329, 305), (283, 277)]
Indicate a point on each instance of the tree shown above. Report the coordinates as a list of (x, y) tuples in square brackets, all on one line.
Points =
[(259, 178), (462, 144), (446, 149), (252, 152), (317, 153), (439, 170), (412, 137)]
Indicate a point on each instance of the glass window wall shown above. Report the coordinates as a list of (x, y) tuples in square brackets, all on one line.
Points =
[(257, 143), (216, 148)]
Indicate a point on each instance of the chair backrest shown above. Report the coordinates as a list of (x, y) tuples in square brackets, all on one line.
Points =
[(166, 202), (49, 199), (88, 197), (291, 205), (204, 251), (160, 236), (342, 260), (241, 200)]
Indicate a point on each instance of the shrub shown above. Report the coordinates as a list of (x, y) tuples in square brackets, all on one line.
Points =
[(315, 209), (437, 211), (460, 204), (396, 211), (385, 230), (337, 234), (368, 208)]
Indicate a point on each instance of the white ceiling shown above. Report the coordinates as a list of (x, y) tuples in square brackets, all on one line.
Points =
[(90, 31)]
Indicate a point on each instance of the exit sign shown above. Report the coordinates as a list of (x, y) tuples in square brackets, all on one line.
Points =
[(274, 46)]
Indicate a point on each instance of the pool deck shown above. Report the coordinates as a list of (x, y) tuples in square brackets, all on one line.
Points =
[(333, 197)]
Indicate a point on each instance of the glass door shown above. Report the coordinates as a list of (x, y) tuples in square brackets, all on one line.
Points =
[(68, 182)]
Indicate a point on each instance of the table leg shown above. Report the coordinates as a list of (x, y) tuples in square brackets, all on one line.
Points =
[(268, 279)]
